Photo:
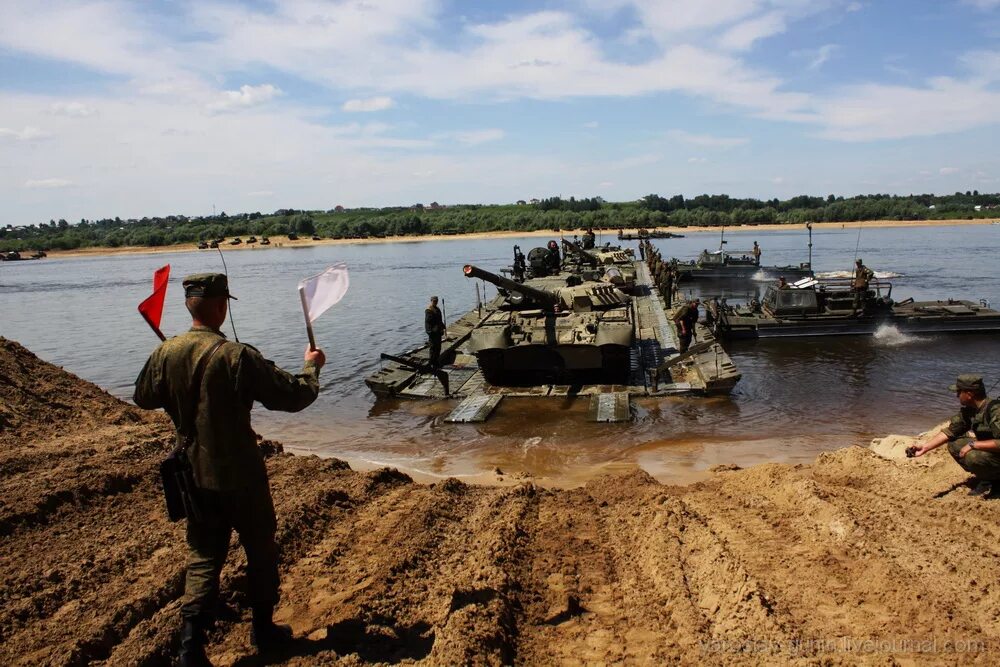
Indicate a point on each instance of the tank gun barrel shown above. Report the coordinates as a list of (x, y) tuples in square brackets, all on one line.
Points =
[(543, 297), (579, 251)]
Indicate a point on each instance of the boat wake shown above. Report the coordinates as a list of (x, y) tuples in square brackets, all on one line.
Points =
[(889, 335)]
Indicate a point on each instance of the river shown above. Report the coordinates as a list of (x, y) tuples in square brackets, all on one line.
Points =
[(796, 399)]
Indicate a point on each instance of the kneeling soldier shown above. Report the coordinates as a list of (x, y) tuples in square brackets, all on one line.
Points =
[(972, 434)]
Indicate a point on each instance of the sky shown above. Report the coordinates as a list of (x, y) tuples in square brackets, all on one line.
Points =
[(158, 107)]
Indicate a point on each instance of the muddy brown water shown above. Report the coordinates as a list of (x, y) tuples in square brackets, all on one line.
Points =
[(795, 399)]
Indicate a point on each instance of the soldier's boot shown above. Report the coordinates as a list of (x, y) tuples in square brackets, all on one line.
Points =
[(266, 634), (192, 653)]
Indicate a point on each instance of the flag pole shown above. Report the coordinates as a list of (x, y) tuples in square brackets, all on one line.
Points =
[(305, 311), (152, 326)]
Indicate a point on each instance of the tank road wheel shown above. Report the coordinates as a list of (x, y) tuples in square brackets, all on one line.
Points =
[(616, 364), (491, 365)]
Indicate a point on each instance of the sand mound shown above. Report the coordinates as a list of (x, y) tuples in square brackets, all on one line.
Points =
[(857, 558)]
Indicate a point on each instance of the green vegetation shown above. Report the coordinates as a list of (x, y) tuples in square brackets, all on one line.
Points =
[(553, 214)]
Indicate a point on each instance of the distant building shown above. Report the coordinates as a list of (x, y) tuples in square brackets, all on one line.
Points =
[(338, 209), (521, 202)]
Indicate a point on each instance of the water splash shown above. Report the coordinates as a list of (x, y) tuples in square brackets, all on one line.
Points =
[(761, 277), (889, 335), (530, 444)]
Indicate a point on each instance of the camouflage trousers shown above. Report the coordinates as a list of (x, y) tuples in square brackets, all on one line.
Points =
[(434, 352), (984, 465), (683, 341), (250, 512)]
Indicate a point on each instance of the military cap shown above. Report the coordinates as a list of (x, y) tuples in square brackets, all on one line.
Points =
[(969, 383), (206, 284)]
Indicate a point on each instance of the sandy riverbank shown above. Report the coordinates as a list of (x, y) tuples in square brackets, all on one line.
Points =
[(862, 557), (603, 237)]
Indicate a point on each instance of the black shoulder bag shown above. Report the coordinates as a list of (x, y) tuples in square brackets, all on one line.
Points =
[(179, 488)]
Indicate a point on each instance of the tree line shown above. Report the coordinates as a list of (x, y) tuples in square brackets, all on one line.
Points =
[(553, 213)]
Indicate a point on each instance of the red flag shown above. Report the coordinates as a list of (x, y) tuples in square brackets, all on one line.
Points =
[(152, 308)]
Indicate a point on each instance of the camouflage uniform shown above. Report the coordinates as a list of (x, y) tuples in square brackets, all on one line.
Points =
[(984, 424), (434, 326), (688, 316), (862, 276), (228, 465)]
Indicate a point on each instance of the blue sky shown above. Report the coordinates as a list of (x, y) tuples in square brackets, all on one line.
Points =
[(150, 108)]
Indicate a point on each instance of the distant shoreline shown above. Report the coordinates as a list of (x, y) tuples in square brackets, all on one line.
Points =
[(602, 237)]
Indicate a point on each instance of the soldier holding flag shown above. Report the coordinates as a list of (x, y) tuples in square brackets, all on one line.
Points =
[(228, 468)]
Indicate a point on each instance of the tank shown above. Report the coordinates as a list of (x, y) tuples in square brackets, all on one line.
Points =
[(615, 265), (578, 332)]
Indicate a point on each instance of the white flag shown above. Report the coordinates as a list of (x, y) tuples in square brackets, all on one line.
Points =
[(323, 290)]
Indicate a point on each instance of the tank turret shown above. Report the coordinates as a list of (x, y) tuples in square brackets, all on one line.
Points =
[(542, 297), (577, 332), (616, 263)]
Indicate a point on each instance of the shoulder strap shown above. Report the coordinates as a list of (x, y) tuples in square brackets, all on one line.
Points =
[(195, 389)]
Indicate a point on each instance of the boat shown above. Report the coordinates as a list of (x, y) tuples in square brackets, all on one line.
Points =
[(723, 264), (830, 307), (641, 234)]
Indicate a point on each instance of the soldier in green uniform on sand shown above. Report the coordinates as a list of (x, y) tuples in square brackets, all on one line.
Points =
[(973, 434), (227, 463)]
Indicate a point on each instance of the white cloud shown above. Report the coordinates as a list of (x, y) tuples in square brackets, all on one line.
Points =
[(370, 104), (47, 184), (706, 140), (819, 57), (854, 7), (778, 180), (72, 109), (743, 35), (872, 112), (154, 101), (591, 125), (697, 160), (260, 193), (947, 171), (665, 17), (247, 96), (29, 133), (984, 65), (476, 137)]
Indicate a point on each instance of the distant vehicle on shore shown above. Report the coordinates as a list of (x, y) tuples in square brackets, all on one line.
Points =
[(14, 256)]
